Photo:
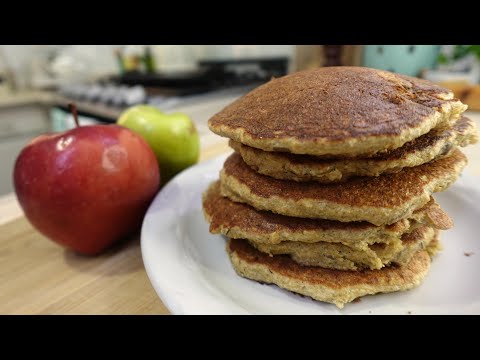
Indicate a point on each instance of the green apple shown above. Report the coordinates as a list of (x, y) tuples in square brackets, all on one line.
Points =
[(173, 137)]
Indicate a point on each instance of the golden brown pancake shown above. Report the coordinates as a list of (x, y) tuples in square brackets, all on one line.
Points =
[(344, 257), (380, 200), (241, 221), (344, 111), (286, 166), (333, 286)]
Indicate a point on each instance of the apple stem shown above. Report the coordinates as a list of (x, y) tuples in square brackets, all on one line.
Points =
[(73, 109)]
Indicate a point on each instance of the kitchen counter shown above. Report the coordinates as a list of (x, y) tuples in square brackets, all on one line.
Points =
[(199, 107), (39, 277), (190, 105), (49, 98), (21, 98)]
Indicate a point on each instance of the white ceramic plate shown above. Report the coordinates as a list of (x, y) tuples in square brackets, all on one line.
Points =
[(190, 270)]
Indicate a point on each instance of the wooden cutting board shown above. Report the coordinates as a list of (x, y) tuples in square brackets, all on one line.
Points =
[(39, 277)]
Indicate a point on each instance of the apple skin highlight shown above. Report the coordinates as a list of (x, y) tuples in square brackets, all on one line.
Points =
[(88, 187)]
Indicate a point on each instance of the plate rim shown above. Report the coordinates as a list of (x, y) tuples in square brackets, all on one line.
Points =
[(165, 297)]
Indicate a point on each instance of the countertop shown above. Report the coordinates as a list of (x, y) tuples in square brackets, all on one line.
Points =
[(39, 277), (43, 97), (26, 97)]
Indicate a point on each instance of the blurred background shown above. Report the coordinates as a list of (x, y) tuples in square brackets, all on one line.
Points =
[(38, 81)]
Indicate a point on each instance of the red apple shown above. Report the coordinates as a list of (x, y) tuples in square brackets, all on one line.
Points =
[(88, 187)]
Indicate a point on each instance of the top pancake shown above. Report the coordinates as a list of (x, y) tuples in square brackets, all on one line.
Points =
[(343, 111)]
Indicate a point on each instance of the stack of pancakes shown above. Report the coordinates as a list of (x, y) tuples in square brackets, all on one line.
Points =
[(329, 190)]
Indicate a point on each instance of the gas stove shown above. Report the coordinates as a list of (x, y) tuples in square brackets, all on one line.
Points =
[(107, 98)]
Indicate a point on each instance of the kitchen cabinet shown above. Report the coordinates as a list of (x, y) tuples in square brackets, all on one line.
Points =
[(18, 125)]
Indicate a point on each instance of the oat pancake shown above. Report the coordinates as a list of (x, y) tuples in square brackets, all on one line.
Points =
[(346, 111), (241, 221), (380, 200), (343, 257), (333, 286), (286, 166)]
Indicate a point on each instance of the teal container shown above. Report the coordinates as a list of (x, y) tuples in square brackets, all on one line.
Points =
[(403, 59)]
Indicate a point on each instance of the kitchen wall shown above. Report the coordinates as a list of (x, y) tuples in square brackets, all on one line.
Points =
[(173, 57), (98, 60), (24, 59)]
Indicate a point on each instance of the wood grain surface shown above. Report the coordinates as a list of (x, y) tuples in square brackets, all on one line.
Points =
[(39, 277)]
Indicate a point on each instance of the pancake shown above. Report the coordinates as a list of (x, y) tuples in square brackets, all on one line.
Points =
[(421, 150), (343, 257), (327, 285), (241, 221), (344, 111), (380, 200)]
